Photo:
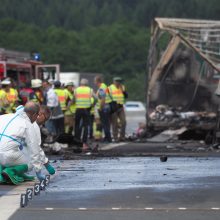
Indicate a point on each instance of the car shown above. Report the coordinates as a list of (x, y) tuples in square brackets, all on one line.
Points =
[(134, 106)]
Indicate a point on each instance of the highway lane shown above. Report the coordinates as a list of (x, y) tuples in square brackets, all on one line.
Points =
[(130, 188)]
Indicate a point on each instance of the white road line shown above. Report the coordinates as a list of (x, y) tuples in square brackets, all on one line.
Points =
[(148, 208), (112, 146), (9, 205), (182, 208), (115, 208), (49, 209), (215, 208), (82, 208)]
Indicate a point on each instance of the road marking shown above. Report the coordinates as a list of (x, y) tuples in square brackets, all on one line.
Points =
[(215, 208), (112, 146), (115, 208), (148, 208), (9, 204), (122, 209), (182, 208), (82, 208), (49, 209)]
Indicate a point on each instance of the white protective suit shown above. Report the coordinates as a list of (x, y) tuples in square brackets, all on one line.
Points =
[(18, 142), (43, 157)]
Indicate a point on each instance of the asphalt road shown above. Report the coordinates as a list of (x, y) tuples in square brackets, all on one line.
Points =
[(130, 188)]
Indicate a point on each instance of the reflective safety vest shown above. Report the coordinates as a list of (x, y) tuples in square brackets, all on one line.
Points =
[(62, 96), (116, 94), (3, 100), (72, 108), (2, 94), (37, 97), (12, 97), (107, 97), (83, 97)]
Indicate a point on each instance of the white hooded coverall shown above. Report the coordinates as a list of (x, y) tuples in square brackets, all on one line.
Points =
[(42, 155), (16, 130)]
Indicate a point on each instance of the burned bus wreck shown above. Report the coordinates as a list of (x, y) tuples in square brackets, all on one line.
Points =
[(183, 79)]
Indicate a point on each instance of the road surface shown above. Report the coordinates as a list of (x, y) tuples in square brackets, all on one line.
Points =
[(130, 188)]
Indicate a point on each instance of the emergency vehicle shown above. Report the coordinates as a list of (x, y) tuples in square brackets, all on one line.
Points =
[(19, 66)]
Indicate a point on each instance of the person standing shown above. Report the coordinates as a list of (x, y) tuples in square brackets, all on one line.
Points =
[(37, 94), (118, 94), (69, 117), (55, 124), (83, 99), (103, 107), (25, 92), (62, 95), (11, 95), (3, 101)]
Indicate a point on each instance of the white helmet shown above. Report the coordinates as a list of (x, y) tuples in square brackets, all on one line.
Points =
[(6, 82), (36, 83), (69, 84)]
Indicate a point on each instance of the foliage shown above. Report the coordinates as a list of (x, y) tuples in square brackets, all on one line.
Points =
[(103, 36)]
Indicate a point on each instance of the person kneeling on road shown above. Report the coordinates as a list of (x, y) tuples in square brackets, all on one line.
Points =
[(18, 151), (43, 115)]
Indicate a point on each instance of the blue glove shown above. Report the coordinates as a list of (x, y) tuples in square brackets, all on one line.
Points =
[(40, 176), (50, 168)]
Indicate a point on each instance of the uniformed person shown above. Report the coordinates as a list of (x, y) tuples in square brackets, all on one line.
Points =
[(3, 101), (69, 116), (62, 95), (83, 99), (103, 107), (118, 94), (37, 95), (11, 95)]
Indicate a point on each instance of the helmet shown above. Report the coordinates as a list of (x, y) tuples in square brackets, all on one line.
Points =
[(69, 84), (117, 79), (6, 82), (36, 83)]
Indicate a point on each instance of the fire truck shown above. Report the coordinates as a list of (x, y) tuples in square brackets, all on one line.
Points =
[(19, 66)]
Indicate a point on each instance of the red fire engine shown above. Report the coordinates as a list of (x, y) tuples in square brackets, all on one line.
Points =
[(19, 66)]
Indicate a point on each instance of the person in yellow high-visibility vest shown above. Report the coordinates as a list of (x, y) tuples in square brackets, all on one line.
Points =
[(118, 94), (62, 95), (3, 101), (103, 106), (83, 99), (11, 95), (91, 121), (69, 116), (37, 94)]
